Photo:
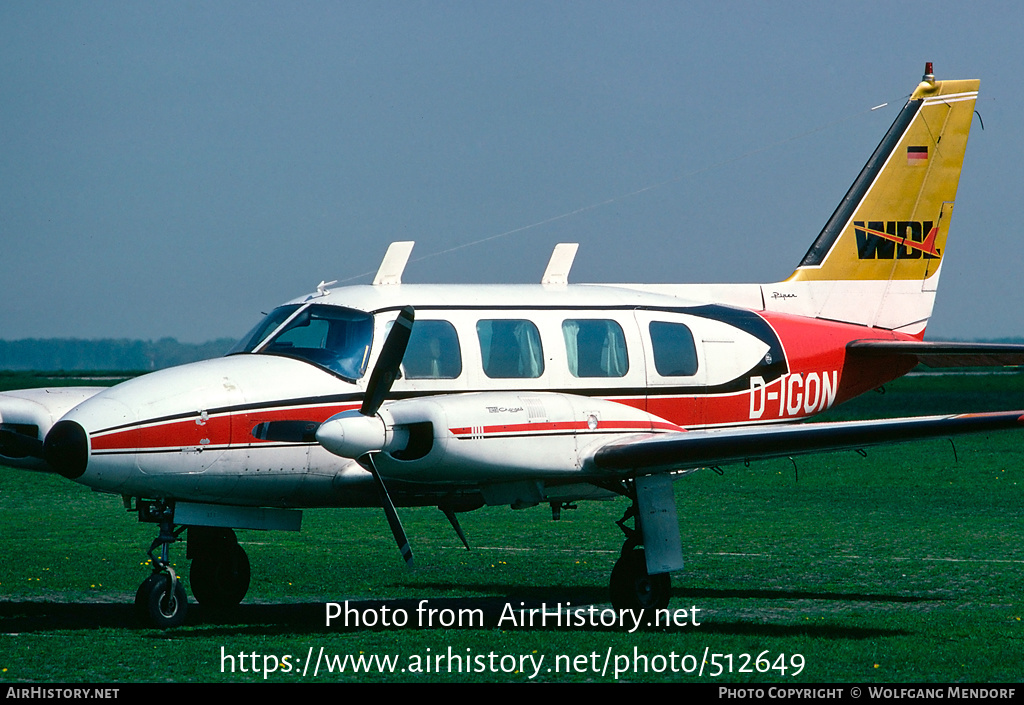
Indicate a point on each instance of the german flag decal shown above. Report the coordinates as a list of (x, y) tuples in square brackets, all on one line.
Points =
[(917, 155)]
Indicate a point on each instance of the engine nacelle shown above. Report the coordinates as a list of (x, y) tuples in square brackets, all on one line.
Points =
[(487, 436), (27, 415)]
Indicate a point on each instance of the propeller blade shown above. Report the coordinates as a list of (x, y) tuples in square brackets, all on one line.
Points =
[(386, 369), (389, 510), (454, 521)]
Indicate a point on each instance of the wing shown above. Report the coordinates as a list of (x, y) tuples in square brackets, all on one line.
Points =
[(941, 354), (650, 454)]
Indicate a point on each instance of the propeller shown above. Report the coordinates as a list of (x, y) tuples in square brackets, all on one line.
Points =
[(361, 434)]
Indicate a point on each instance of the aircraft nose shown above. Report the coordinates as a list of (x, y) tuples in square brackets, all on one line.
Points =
[(66, 449)]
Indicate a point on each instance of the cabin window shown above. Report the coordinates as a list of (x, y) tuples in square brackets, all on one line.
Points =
[(510, 349), (595, 348), (335, 338), (433, 351), (675, 354)]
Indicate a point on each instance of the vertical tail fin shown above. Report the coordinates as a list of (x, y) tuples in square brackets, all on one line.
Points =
[(877, 260)]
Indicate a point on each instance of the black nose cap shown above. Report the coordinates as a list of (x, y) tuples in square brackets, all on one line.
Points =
[(66, 449)]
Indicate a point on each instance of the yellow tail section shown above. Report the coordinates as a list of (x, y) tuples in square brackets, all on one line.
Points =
[(876, 261)]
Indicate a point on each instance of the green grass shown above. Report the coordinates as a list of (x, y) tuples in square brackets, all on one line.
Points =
[(901, 566)]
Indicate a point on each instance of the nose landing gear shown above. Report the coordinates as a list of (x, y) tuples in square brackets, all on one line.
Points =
[(219, 575), (161, 600)]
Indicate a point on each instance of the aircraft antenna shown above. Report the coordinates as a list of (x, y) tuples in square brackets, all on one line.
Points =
[(637, 192)]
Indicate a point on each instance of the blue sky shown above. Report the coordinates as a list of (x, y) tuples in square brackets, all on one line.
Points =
[(173, 169)]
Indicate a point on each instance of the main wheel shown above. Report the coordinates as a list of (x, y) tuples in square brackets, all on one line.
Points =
[(220, 578), (160, 605), (632, 588)]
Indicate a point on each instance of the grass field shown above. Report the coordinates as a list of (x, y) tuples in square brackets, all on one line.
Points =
[(904, 565)]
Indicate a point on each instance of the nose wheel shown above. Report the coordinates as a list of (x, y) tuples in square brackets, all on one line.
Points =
[(161, 601)]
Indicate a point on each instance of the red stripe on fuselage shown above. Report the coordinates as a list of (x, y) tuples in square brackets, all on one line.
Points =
[(554, 427), (217, 430)]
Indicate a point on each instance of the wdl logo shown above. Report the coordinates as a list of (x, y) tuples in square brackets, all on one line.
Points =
[(896, 239)]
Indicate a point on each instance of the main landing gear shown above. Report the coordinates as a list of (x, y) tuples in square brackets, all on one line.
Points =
[(220, 569), (219, 577), (632, 587)]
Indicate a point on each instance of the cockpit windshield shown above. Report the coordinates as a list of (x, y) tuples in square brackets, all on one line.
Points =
[(265, 327), (331, 337)]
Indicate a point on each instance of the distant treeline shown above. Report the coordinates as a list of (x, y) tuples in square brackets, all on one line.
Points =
[(109, 354)]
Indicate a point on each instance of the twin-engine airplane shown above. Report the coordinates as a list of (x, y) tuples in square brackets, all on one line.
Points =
[(395, 395)]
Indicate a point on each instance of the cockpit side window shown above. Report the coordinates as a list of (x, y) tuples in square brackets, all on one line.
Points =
[(335, 338)]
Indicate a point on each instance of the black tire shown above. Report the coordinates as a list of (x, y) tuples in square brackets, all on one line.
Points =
[(160, 606), (220, 578), (632, 588)]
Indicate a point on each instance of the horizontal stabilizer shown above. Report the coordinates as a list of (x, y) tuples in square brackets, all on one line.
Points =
[(942, 354)]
